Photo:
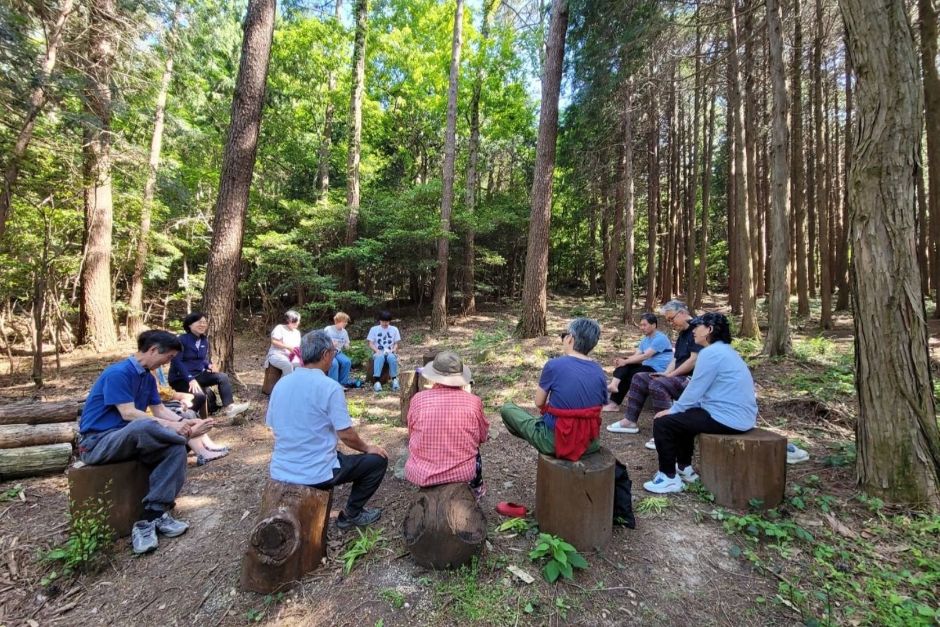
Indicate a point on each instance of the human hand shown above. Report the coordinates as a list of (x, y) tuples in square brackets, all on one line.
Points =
[(376, 450), (620, 362), (662, 413), (200, 427), (194, 387), (181, 427), (210, 368)]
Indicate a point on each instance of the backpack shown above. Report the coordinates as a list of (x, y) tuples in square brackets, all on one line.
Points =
[(623, 499)]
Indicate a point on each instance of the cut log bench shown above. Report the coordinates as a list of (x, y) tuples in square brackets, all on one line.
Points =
[(120, 488), (444, 527), (290, 539), (386, 373), (36, 438), (271, 376), (575, 500), (742, 467)]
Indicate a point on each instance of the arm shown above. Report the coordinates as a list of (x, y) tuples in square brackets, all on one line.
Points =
[(351, 439), (541, 397), (484, 423), (375, 349), (161, 415), (670, 367), (692, 396), (687, 366)]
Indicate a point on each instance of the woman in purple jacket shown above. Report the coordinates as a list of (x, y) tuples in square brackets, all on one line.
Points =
[(192, 371)]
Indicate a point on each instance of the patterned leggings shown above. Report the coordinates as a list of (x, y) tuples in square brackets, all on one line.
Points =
[(662, 390)]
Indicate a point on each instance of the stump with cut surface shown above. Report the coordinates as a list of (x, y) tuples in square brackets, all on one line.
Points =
[(742, 467), (386, 373), (290, 539), (444, 527), (271, 376), (120, 488), (409, 387), (575, 500)]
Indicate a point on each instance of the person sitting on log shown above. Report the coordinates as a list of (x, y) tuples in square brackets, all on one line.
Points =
[(665, 387), (446, 426), (720, 398), (339, 371), (308, 416), (383, 340), (192, 371), (652, 355), (188, 406), (571, 391), (114, 427), (285, 344)]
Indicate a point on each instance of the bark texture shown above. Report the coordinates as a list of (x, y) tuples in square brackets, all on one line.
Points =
[(355, 134)]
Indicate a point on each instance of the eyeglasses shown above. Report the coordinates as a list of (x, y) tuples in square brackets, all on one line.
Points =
[(668, 319), (563, 335)]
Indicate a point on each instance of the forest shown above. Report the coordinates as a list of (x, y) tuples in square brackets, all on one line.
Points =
[(445, 159)]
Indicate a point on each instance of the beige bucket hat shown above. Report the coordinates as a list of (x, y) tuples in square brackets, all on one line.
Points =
[(447, 369)]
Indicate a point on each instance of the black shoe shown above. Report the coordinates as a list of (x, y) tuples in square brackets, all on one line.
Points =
[(366, 517)]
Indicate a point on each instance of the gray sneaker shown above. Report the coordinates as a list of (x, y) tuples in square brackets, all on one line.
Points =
[(169, 526), (236, 408), (395, 385), (144, 537), (366, 517)]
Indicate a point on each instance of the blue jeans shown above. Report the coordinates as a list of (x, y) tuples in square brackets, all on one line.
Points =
[(378, 362), (339, 369)]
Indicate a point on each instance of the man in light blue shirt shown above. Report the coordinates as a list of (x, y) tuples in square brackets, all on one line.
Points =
[(308, 415)]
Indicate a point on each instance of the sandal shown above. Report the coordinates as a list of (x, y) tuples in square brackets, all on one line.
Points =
[(513, 510)]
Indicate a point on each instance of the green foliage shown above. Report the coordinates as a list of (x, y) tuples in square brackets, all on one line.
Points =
[(515, 525), (12, 493), (89, 535), (256, 615), (844, 455), (358, 352), (473, 597), (367, 541), (698, 489), (395, 598), (562, 558), (652, 506)]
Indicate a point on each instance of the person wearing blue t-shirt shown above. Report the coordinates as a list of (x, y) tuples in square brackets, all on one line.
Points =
[(653, 355), (114, 427)]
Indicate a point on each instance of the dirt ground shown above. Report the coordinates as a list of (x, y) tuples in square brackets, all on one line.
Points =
[(675, 568)]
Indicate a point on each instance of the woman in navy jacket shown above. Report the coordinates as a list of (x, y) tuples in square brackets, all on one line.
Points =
[(192, 371)]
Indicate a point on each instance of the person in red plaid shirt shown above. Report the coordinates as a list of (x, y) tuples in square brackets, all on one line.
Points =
[(446, 426)]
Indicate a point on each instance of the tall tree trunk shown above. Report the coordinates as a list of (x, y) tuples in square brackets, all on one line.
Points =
[(897, 435), (39, 301), (238, 163), (37, 100), (534, 291), (821, 194), (931, 79), (797, 161), (326, 140), (690, 275), (626, 182), (616, 238), (439, 305), (355, 135), (96, 322), (843, 302), (708, 150), (652, 204), (743, 196), (777, 341), (734, 285), (136, 304), (749, 76)]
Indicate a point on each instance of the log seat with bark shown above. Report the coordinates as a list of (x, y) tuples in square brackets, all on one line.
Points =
[(742, 467), (289, 540), (37, 413), (409, 387), (575, 500), (17, 436), (386, 373), (120, 488), (444, 527), (271, 376), (30, 461)]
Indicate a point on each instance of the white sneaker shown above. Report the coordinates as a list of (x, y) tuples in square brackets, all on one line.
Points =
[(395, 385), (687, 474), (664, 484), (795, 454), (377, 387), (651, 444), (237, 408)]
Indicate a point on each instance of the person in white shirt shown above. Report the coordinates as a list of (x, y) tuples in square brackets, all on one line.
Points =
[(284, 353), (339, 370), (383, 340)]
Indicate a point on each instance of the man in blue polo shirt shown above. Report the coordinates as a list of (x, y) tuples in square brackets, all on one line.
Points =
[(114, 427)]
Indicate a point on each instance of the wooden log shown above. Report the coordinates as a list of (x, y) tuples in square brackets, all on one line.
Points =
[(428, 357), (290, 539), (575, 500), (386, 373), (271, 376), (30, 461), (121, 487), (745, 466), (16, 436), (444, 527), (409, 387), (37, 413)]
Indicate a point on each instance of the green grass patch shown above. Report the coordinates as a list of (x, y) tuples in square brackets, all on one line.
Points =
[(652, 506), (471, 594)]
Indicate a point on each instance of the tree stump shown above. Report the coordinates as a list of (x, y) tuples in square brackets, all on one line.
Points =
[(575, 500), (290, 539), (121, 487), (271, 376), (386, 376), (744, 466), (444, 527), (409, 387)]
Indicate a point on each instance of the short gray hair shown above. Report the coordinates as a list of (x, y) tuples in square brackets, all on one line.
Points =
[(314, 345), (674, 305), (585, 333)]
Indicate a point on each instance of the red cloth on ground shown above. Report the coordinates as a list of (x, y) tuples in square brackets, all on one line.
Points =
[(575, 429)]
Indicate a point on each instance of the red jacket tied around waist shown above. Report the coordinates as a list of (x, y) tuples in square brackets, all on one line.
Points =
[(575, 429)]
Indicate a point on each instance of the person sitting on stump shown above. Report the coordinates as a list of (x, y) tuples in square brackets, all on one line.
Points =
[(114, 427), (188, 406), (662, 388), (720, 398), (192, 371), (308, 416), (285, 343), (571, 392), (446, 426), (652, 355), (383, 340), (339, 371)]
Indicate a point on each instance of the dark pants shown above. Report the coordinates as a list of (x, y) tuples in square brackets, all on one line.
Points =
[(206, 380), (164, 451), (477, 481), (625, 375), (675, 437), (365, 472)]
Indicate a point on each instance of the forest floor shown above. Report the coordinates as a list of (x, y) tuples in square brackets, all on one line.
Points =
[(827, 555)]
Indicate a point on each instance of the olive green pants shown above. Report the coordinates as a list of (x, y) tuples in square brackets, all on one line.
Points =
[(533, 430)]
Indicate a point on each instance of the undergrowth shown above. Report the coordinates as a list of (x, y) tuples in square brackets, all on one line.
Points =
[(471, 595), (367, 541), (89, 535)]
